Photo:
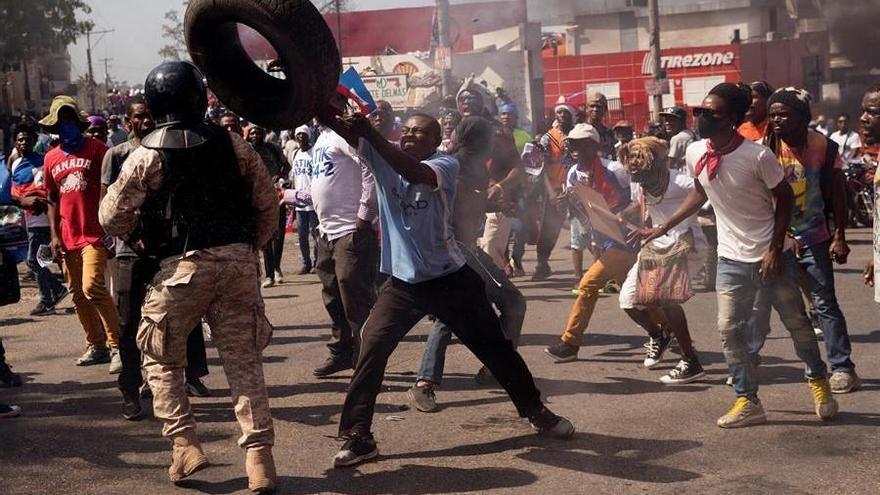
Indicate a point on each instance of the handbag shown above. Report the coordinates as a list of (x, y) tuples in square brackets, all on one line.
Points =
[(663, 273)]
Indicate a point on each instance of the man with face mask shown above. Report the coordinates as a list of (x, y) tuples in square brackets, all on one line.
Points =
[(73, 183), (753, 204)]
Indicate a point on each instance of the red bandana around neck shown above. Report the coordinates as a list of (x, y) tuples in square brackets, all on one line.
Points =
[(712, 157)]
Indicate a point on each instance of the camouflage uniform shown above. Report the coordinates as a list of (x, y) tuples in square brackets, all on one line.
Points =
[(220, 283)]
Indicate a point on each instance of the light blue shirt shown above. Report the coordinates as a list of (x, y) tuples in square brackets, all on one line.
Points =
[(417, 237)]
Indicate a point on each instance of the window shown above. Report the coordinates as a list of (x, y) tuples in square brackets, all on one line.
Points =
[(694, 89), (609, 89)]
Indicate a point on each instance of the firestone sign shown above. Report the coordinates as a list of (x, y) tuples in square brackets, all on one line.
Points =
[(691, 60)]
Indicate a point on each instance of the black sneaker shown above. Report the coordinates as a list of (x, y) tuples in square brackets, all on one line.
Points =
[(195, 388), (131, 405), (7, 377), (654, 350), (333, 364), (357, 449), (550, 425), (562, 352), (684, 372), (485, 378), (304, 270), (42, 310), (9, 411), (64, 292), (145, 391), (542, 272)]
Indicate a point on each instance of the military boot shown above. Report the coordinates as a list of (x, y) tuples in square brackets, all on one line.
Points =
[(260, 466), (187, 456)]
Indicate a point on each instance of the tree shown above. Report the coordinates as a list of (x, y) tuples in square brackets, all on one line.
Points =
[(172, 30), (35, 27)]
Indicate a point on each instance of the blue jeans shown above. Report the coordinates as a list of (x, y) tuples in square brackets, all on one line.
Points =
[(740, 288), (47, 284), (818, 276), (501, 293), (307, 226)]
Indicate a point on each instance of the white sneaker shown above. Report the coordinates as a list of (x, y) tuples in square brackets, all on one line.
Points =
[(279, 277), (268, 282), (115, 362)]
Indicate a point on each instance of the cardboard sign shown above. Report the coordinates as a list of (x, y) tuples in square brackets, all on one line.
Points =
[(600, 215)]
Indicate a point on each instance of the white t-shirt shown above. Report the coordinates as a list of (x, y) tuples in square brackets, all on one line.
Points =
[(343, 188), (301, 171), (847, 145), (742, 197), (661, 209)]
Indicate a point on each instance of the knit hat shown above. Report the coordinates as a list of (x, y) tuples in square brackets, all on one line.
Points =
[(96, 121), (568, 108), (795, 98)]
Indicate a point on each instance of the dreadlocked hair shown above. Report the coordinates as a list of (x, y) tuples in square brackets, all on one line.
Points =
[(643, 153)]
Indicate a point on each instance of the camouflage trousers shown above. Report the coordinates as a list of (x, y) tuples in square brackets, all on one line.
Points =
[(221, 284)]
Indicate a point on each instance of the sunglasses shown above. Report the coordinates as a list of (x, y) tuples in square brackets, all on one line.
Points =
[(697, 111)]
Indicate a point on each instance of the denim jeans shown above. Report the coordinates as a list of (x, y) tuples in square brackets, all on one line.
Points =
[(501, 293), (48, 285), (307, 227), (740, 288), (817, 272)]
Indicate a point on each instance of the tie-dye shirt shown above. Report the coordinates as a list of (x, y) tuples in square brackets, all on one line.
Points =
[(805, 170)]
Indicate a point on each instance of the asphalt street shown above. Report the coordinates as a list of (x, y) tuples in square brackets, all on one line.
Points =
[(635, 435)]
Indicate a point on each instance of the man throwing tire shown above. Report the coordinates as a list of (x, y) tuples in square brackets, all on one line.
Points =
[(428, 275)]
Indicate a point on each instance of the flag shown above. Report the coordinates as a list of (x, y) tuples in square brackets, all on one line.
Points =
[(352, 86)]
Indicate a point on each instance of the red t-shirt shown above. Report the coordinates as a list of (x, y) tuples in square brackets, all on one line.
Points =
[(75, 180)]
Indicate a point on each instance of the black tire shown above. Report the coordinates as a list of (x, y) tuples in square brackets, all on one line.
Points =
[(864, 211), (299, 35)]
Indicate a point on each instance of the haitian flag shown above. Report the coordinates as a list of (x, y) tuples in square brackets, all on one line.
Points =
[(352, 86)]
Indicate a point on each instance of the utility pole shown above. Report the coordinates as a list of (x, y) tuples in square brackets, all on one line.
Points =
[(90, 89), (338, 6), (443, 42), (107, 71), (654, 28)]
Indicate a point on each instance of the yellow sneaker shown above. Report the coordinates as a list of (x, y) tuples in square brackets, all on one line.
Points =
[(743, 413), (826, 406)]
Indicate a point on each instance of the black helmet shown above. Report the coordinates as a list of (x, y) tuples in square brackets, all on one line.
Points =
[(176, 94)]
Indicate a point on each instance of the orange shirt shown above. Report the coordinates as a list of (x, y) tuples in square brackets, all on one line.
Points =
[(754, 132)]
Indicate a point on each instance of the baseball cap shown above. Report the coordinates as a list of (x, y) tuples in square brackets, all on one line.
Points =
[(677, 112), (584, 131), (59, 102), (622, 123)]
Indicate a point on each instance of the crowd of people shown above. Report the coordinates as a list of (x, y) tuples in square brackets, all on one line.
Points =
[(427, 216)]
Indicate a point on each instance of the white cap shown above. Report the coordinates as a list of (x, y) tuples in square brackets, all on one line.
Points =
[(585, 131), (303, 129)]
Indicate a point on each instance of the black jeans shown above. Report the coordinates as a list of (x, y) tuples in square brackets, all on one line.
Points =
[(130, 287), (458, 299), (551, 224), (347, 269), (275, 247)]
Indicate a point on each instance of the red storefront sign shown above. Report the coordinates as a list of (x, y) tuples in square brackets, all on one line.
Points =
[(622, 77)]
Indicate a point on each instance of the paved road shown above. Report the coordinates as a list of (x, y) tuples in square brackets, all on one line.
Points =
[(635, 435)]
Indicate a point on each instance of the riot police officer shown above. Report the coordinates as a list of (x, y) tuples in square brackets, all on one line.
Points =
[(199, 199)]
